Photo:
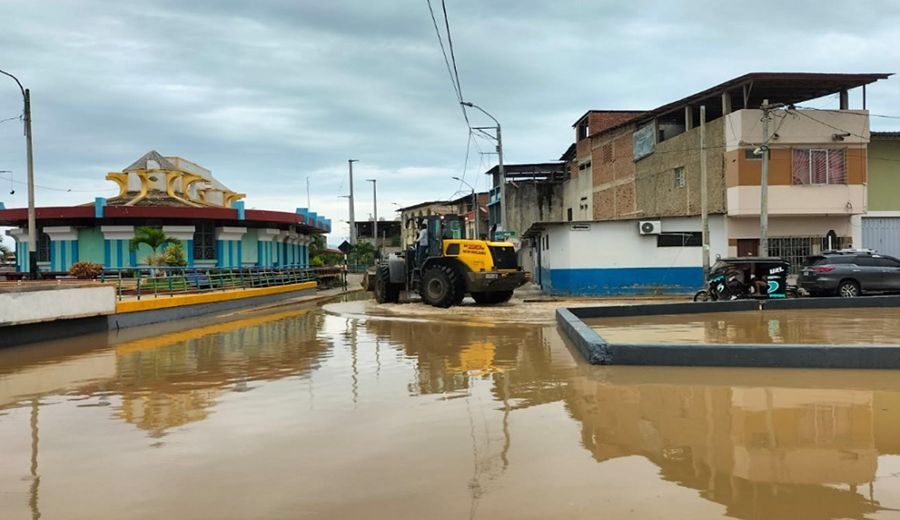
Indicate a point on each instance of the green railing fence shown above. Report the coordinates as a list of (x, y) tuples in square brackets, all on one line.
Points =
[(154, 282)]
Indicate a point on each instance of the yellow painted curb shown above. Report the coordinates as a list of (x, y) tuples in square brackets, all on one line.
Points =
[(181, 300)]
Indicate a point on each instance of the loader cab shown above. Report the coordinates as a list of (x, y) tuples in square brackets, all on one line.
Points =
[(442, 227)]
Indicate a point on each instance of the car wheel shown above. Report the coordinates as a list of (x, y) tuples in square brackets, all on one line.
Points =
[(848, 289)]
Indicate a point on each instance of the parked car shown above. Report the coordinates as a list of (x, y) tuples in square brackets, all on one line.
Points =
[(849, 273)]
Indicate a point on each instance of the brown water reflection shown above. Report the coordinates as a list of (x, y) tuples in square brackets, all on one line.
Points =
[(301, 415), (821, 326)]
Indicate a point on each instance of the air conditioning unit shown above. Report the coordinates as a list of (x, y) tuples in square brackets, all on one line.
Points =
[(650, 227)]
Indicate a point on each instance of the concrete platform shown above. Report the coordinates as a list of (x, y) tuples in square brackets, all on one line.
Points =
[(597, 350)]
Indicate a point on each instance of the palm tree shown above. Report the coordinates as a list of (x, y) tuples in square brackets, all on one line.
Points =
[(155, 238)]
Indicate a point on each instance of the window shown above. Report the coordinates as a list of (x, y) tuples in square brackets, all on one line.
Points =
[(43, 247), (680, 180), (686, 239), (569, 214), (826, 166), (205, 241), (453, 250)]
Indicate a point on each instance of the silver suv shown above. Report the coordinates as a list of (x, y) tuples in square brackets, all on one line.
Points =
[(849, 273)]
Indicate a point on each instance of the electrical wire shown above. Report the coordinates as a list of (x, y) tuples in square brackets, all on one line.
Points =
[(50, 188), (14, 118), (829, 125), (847, 112)]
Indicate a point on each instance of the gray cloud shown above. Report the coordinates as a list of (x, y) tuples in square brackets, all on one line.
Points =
[(267, 93)]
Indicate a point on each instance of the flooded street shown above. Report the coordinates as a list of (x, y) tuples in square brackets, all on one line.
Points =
[(821, 326), (298, 413)]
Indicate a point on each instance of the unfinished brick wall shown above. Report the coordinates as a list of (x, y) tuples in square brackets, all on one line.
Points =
[(599, 121)]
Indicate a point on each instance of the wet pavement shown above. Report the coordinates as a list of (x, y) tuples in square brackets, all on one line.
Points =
[(872, 326), (298, 413)]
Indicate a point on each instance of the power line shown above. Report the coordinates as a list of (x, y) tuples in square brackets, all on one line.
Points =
[(452, 53), (848, 112), (66, 190), (829, 125), (454, 79), (14, 118)]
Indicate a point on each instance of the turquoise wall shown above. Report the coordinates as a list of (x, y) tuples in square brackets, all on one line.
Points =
[(229, 253), (63, 253), (249, 251), (90, 245)]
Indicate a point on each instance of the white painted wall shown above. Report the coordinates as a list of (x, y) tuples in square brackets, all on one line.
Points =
[(56, 303), (618, 244), (744, 127)]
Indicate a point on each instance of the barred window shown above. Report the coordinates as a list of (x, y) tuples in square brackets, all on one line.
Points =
[(43, 247), (205, 241), (680, 180), (825, 166)]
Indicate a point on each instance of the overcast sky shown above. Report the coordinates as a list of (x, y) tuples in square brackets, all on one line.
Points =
[(270, 92)]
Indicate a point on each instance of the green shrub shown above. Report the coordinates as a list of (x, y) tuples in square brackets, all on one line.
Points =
[(174, 256)]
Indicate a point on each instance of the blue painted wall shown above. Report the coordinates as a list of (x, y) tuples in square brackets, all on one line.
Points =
[(632, 280)]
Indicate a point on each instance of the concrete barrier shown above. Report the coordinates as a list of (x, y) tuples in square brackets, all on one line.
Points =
[(596, 350), (18, 307)]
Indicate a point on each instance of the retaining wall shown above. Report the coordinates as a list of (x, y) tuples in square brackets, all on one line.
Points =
[(596, 350)]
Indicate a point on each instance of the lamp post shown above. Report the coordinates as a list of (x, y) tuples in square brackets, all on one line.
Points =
[(374, 211), (499, 139), (352, 206), (32, 220), (475, 207)]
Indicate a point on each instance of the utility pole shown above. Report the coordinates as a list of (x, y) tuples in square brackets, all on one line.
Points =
[(352, 209), (307, 191), (764, 180), (764, 185), (374, 211), (474, 203), (704, 195), (500, 168), (32, 220)]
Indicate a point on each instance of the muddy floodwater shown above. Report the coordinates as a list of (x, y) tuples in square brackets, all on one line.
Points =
[(820, 326), (297, 413)]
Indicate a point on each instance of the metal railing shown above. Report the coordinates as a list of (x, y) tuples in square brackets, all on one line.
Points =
[(155, 282)]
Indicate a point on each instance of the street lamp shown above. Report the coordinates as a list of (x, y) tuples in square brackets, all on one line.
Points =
[(499, 139), (474, 204), (374, 211), (32, 221)]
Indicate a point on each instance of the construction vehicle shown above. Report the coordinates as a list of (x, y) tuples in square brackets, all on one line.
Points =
[(451, 268)]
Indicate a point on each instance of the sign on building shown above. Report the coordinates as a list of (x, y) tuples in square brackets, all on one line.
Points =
[(644, 141)]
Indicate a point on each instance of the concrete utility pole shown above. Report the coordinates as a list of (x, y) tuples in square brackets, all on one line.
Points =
[(475, 207), (500, 168), (32, 220), (352, 208), (374, 211), (704, 195), (764, 180)]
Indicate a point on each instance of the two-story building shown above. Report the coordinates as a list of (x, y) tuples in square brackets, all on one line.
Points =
[(632, 201)]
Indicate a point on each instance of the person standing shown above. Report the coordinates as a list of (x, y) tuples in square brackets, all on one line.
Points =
[(422, 244)]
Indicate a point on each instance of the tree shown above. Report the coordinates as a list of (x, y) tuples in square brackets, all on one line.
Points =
[(362, 253), (5, 251), (155, 238)]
